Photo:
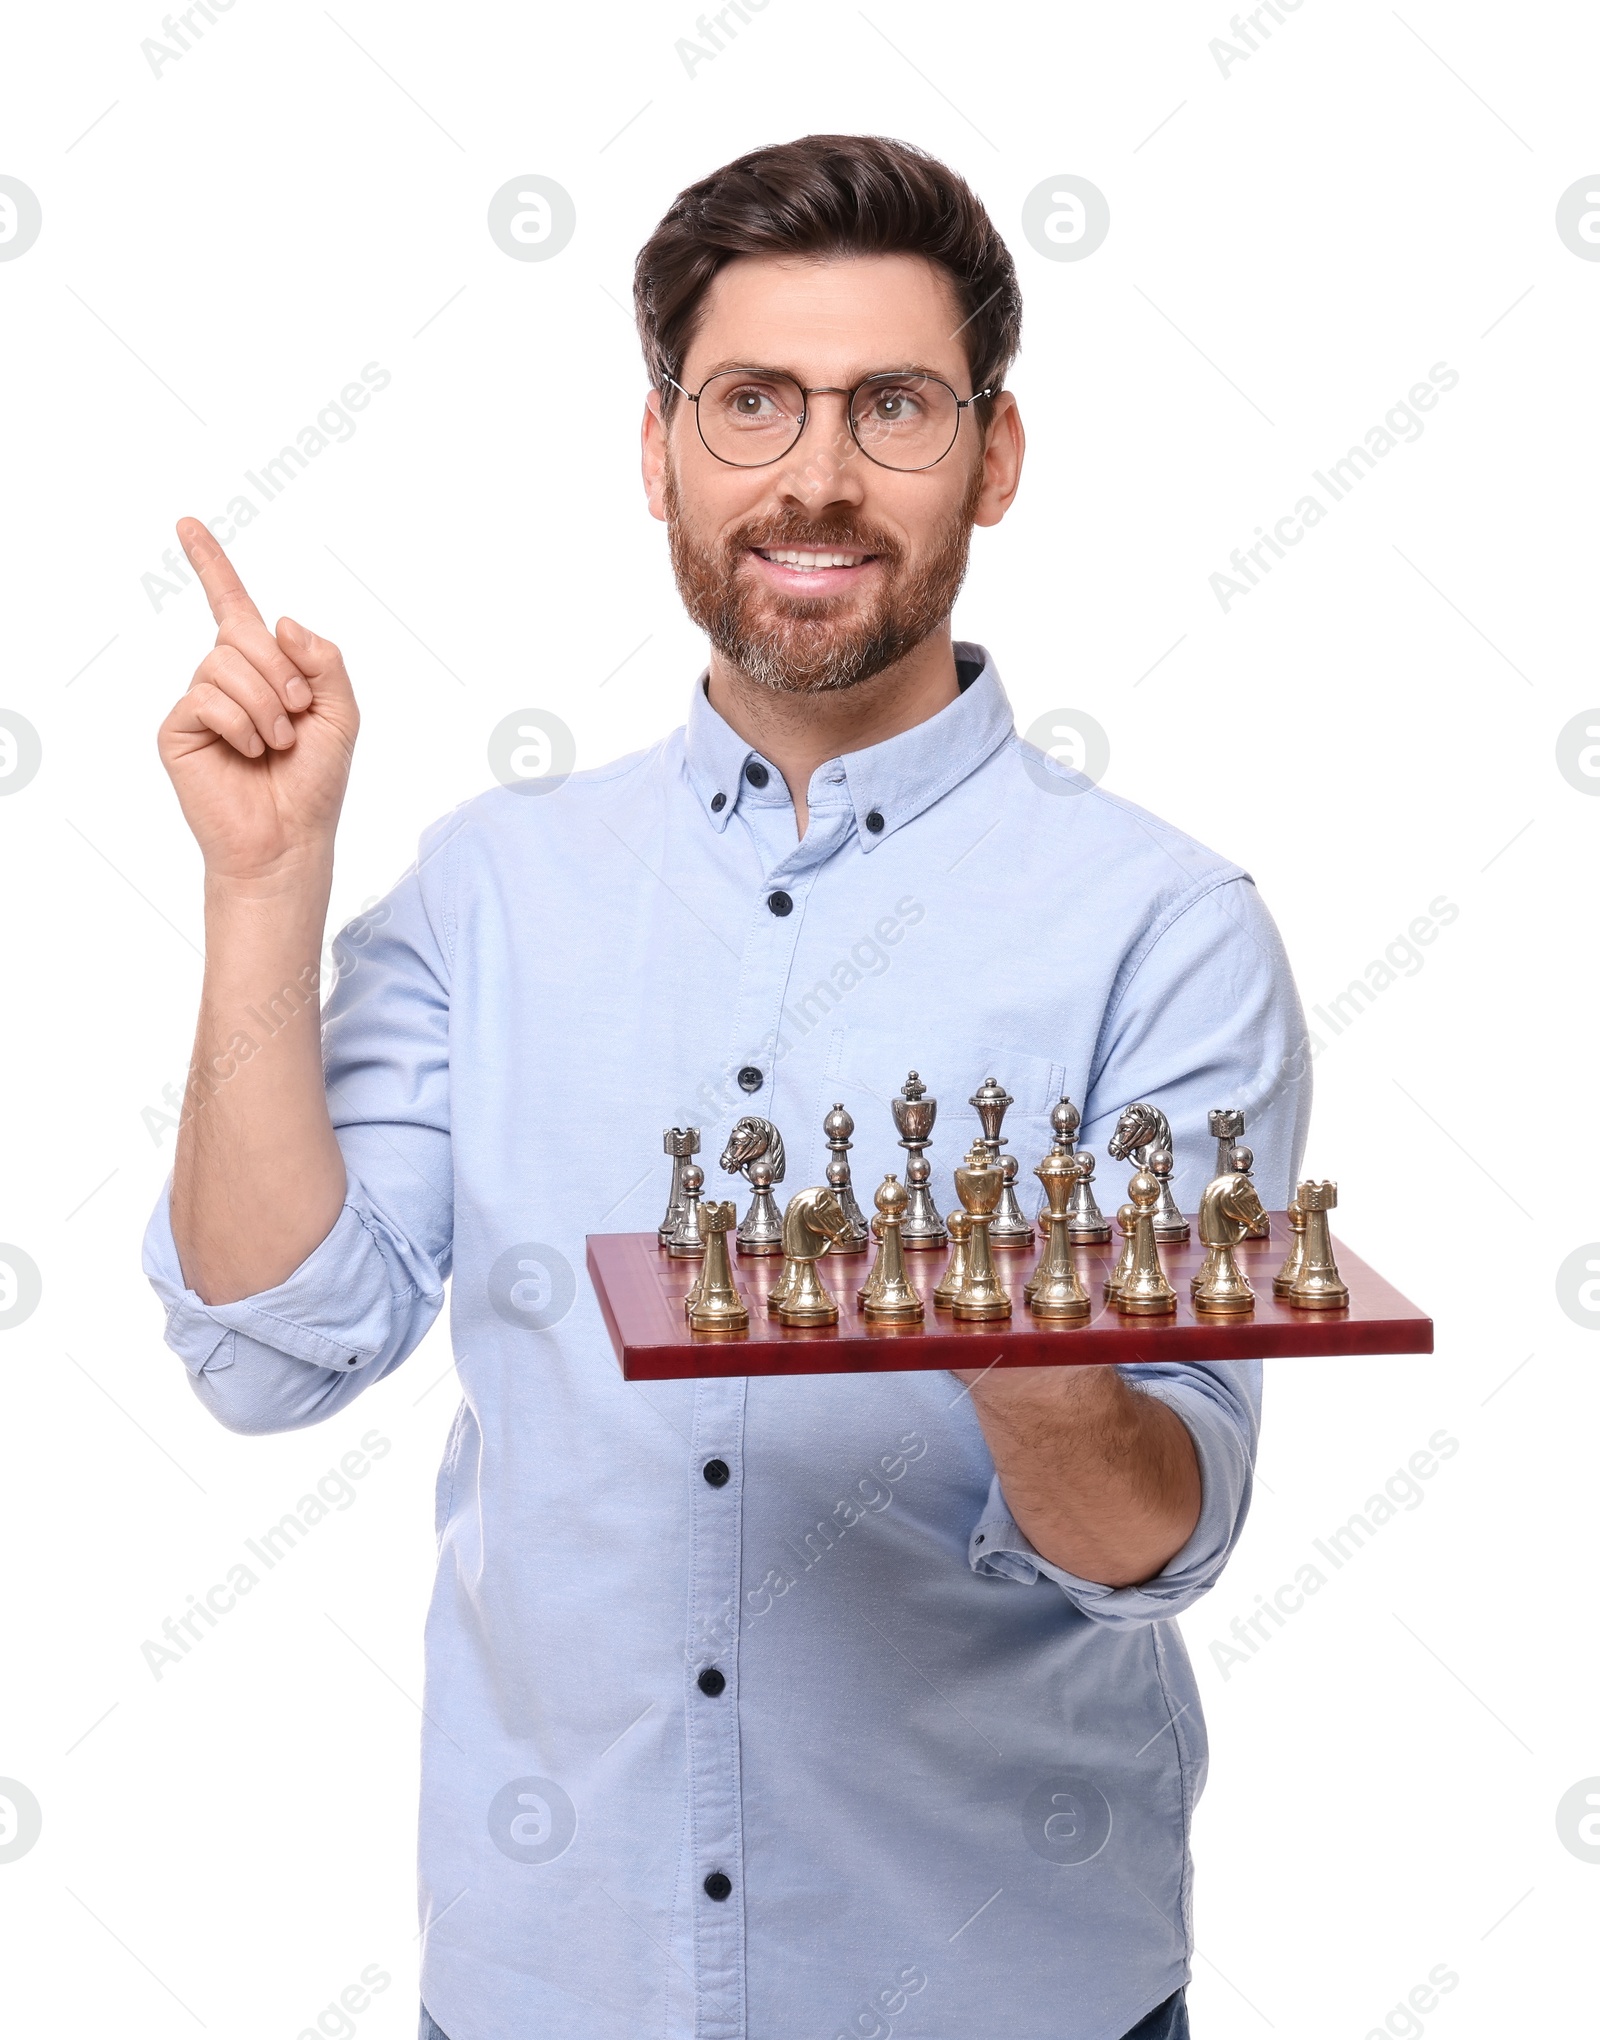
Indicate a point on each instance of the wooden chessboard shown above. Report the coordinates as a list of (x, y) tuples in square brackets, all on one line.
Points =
[(641, 1292)]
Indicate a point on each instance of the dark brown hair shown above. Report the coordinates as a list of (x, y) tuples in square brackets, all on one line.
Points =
[(827, 195)]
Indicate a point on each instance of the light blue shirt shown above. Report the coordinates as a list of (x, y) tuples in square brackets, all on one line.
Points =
[(948, 1784)]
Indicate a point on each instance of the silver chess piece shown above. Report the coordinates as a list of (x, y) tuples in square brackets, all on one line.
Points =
[(1241, 1160), (686, 1243), (1143, 1132), (837, 1129), (681, 1143), (914, 1113), (1226, 1125), (1087, 1224), (1065, 1120), (755, 1151), (1008, 1228)]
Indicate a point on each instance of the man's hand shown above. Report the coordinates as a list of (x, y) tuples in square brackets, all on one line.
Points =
[(259, 748), (1102, 1480), (259, 751)]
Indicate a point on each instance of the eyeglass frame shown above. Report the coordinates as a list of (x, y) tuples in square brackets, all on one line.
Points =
[(828, 390)]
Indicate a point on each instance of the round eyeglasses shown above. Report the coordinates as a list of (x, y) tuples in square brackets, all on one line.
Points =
[(902, 419)]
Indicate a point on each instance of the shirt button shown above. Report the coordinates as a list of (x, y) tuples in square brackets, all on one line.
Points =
[(711, 1682), (875, 821), (750, 1078), (718, 1885), (716, 1473), (780, 904), (757, 773), (718, 802)]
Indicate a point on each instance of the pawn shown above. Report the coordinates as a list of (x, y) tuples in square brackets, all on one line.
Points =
[(761, 1229), (1288, 1274), (1065, 1119), (836, 1131), (1123, 1266), (956, 1270), (1318, 1285), (1241, 1160), (718, 1306), (1087, 1224), (686, 1243), (1010, 1229), (1145, 1291), (1169, 1222), (887, 1296)]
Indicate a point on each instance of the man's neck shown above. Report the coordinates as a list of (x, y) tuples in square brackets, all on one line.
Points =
[(799, 732)]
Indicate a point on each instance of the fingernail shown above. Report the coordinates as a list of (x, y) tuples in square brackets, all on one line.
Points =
[(256, 746), (283, 731), (299, 694)]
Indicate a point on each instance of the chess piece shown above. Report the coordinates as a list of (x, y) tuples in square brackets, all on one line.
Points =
[(1241, 1160), (914, 1112), (718, 1306), (1226, 1126), (956, 1272), (887, 1296), (1123, 1266), (837, 1129), (1228, 1208), (1009, 1229), (685, 1243), (978, 1184), (755, 1151), (1171, 1227), (1287, 1275), (812, 1222), (1143, 1132), (1318, 1286), (1145, 1291), (1055, 1290), (1087, 1224), (1065, 1120), (680, 1142)]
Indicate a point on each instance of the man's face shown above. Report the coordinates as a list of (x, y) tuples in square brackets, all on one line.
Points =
[(822, 569)]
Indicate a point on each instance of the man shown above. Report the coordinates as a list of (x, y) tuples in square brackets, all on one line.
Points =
[(838, 1704)]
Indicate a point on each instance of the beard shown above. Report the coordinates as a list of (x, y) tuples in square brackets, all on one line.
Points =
[(796, 645)]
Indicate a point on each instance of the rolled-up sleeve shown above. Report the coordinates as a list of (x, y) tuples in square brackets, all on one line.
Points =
[(1220, 1404), (1205, 1014), (362, 1300)]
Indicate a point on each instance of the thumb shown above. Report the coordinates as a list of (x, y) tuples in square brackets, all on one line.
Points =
[(318, 658)]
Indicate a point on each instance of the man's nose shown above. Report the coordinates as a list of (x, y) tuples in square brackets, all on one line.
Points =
[(825, 464)]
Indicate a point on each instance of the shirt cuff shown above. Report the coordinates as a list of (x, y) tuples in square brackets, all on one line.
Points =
[(999, 1549), (335, 1311)]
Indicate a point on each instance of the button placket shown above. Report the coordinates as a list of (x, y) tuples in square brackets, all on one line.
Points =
[(716, 1826)]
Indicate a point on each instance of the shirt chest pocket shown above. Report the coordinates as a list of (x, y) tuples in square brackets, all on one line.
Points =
[(866, 1071)]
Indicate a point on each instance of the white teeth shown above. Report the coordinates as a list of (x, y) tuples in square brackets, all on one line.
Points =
[(809, 561)]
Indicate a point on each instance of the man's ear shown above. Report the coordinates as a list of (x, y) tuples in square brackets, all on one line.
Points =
[(653, 456), (1003, 449)]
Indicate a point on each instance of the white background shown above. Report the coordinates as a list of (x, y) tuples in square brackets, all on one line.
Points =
[(1373, 727)]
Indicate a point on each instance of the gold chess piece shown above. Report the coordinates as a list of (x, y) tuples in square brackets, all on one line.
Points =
[(1318, 1285), (718, 1306), (1122, 1267), (955, 1273), (887, 1296), (1055, 1289), (1145, 1291), (812, 1222), (979, 1182), (1229, 1207), (1288, 1274)]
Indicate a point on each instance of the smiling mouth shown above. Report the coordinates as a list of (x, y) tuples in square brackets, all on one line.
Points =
[(808, 562)]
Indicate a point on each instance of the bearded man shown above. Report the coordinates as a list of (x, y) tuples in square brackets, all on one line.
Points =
[(833, 1704)]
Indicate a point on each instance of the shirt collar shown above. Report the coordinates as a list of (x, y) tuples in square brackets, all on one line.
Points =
[(889, 784)]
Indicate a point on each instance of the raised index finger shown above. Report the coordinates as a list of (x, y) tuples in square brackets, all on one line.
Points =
[(224, 590)]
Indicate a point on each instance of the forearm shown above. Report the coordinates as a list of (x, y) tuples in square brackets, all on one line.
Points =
[(1102, 1480), (258, 1180)]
